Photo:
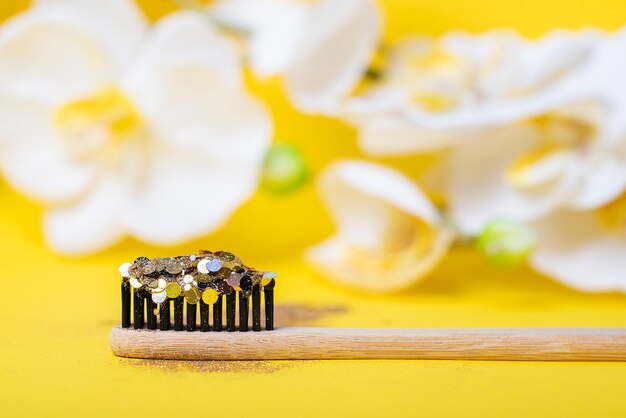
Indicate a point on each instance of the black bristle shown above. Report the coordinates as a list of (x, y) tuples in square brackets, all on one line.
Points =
[(204, 317), (178, 313), (151, 318), (231, 309), (164, 315), (244, 310), (125, 305), (269, 308), (256, 308), (217, 314), (191, 316), (138, 308)]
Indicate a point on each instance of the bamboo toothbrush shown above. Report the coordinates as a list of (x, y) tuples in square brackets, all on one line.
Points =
[(207, 278)]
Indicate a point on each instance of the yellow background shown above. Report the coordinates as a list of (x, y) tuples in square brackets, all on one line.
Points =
[(55, 359)]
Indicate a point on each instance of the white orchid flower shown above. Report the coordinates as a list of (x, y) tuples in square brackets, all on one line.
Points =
[(572, 155), (540, 120), (584, 246), (584, 249), (322, 48), (436, 92), (388, 233), (124, 130)]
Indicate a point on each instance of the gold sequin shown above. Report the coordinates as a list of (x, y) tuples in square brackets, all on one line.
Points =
[(192, 296), (210, 296), (204, 278), (172, 290)]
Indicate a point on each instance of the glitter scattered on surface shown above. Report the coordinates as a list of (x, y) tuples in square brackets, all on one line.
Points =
[(175, 366)]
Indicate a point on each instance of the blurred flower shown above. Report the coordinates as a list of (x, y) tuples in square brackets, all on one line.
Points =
[(121, 130), (571, 155), (285, 169), (532, 125), (322, 48), (584, 246), (388, 234), (506, 243), (435, 92)]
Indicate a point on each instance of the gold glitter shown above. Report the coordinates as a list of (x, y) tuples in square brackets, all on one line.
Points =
[(204, 278), (145, 274), (172, 290), (192, 296), (226, 256), (210, 296)]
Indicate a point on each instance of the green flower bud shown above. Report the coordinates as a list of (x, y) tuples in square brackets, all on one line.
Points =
[(284, 170), (506, 243)]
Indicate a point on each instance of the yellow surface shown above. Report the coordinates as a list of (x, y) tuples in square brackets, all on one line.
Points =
[(55, 359)]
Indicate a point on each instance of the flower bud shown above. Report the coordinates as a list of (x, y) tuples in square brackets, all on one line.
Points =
[(506, 242), (285, 169)]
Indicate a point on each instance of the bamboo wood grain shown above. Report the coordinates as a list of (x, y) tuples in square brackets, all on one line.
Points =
[(539, 344)]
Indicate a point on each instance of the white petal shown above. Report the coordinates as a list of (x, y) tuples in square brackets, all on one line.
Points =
[(479, 190), (390, 134), (577, 250), (274, 28), (185, 38), (32, 158), (49, 62), (388, 234), (195, 110), (185, 195), (335, 51), (97, 18), (604, 179), (189, 89), (54, 52), (89, 225)]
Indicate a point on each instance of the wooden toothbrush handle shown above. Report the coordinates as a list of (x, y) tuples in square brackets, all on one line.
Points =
[(553, 344)]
